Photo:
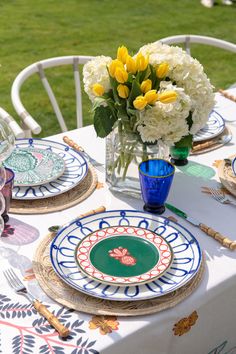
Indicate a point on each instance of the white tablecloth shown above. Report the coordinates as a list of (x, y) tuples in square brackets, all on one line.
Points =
[(209, 313)]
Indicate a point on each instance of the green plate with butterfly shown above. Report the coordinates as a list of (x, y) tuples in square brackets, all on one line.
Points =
[(33, 166), (124, 255)]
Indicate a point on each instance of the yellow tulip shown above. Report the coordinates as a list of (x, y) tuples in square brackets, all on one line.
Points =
[(123, 91), (98, 90), (113, 66), (140, 103), (167, 97), (151, 96), (162, 70), (146, 85), (121, 75), (122, 53), (141, 62), (130, 65)]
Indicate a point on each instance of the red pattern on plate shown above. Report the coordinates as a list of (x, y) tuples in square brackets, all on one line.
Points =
[(123, 255), (86, 245)]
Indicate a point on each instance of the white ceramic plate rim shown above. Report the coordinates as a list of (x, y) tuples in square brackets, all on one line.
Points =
[(130, 292), (131, 283), (60, 173), (207, 132), (68, 180)]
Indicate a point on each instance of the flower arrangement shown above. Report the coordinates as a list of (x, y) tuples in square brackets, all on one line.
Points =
[(161, 94)]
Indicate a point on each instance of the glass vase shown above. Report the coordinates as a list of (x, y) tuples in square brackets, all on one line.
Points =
[(124, 152)]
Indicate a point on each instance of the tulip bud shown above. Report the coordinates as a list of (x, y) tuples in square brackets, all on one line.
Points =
[(121, 75), (162, 70), (140, 103), (151, 96), (98, 90), (141, 62), (122, 53), (123, 91), (167, 97), (113, 66), (130, 65), (146, 85)]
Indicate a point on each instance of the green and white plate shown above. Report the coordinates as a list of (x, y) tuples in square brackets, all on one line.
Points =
[(124, 255), (34, 166)]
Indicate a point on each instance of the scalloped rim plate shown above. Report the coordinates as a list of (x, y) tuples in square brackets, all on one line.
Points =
[(143, 243)]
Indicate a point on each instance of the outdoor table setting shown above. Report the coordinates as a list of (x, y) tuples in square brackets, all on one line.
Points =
[(147, 266)]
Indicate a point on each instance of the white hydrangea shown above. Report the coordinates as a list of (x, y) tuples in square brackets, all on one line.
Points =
[(95, 72), (166, 122), (187, 73)]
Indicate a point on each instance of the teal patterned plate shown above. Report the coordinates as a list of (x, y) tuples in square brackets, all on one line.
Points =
[(33, 166)]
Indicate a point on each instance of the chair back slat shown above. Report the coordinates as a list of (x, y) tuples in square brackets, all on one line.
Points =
[(39, 68), (52, 98), (187, 39), (14, 126), (78, 95)]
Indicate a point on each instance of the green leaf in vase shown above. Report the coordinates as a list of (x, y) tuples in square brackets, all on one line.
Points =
[(103, 121), (135, 91), (186, 141)]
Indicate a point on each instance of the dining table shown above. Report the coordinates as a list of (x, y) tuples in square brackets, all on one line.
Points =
[(202, 321)]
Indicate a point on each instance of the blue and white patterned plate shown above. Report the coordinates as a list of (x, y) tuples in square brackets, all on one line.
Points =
[(215, 126), (76, 169), (234, 166), (185, 265)]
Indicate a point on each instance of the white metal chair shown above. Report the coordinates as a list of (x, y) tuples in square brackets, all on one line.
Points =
[(188, 39), (16, 129), (29, 124)]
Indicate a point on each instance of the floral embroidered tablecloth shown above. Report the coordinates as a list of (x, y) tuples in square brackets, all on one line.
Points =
[(202, 323)]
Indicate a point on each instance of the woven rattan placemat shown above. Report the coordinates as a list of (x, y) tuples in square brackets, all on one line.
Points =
[(211, 144), (227, 176), (59, 202), (62, 293)]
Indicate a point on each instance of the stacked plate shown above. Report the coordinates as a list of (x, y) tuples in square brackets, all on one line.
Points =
[(214, 127), (44, 168), (125, 255)]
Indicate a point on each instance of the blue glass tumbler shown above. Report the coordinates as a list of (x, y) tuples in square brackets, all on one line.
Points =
[(155, 177)]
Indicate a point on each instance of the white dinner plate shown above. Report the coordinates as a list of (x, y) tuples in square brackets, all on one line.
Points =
[(185, 264), (76, 169), (214, 127)]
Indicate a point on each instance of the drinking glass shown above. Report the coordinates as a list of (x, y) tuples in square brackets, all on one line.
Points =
[(7, 192), (155, 177)]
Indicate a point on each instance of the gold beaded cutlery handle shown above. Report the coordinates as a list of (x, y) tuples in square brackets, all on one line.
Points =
[(53, 320), (15, 282), (225, 241), (72, 144)]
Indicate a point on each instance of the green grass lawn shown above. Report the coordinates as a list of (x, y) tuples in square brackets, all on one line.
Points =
[(34, 30)]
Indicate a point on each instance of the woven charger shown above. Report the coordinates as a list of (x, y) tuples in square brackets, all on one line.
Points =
[(227, 176), (62, 293), (59, 202), (210, 144)]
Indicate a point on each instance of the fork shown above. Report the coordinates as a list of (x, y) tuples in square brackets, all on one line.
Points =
[(220, 197), (99, 166), (20, 289)]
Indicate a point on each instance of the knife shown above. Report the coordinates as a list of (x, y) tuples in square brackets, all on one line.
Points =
[(225, 139), (225, 241)]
